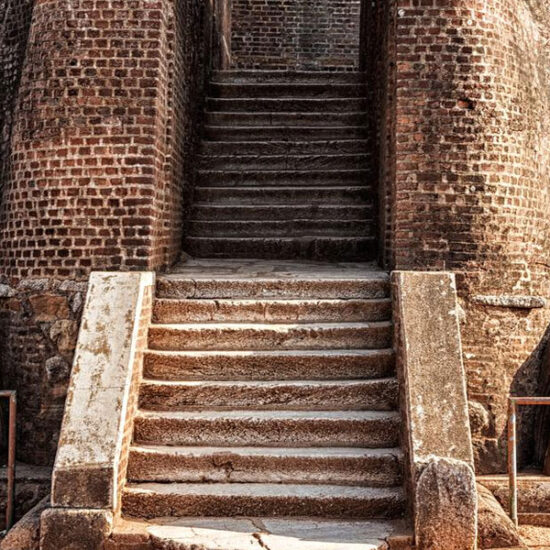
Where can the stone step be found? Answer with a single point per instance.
(255, 173)
(284, 89)
(219, 211)
(296, 105)
(257, 336)
(343, 466)
(246, 499)
(320, 395)
(269, 76)
(269, 365)
(320, 147)
(268, 428)
(279, 194)
(257, 533)
(265, 133)
(335, 249)
(271, 311)
(339, 285)
(286, 119)
(288, 229)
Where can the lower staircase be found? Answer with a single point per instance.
(269, 393)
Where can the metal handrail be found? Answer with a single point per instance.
(10, 508)
(513, 403)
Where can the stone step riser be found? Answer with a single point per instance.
(227, 133)
(295, 119)
(287, 90)
(311, 163)
(533, 496)
(286, 180)
(326, 78)
(268, 228)
(327, 249)
(149, 504)
(270, 311)
(269, 366)
(231, 465)
(378, 395)
(282, 212)
(182, 337)
(346, 146)
(274, 105)
(266, 287)
(251, 431)
(284, 195)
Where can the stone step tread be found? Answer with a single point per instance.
(302, 104)
(259, 533)
(261, 428)
(264, 489)
(290, 155)
(281, 147)
(279, 452)
(265, 383)
(239, 127)
(287, 75)
(270, 415)
(277, 327)
(269, 365)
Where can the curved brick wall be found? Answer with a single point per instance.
(471, 136)
(103, 135)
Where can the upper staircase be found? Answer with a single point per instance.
(285, 170)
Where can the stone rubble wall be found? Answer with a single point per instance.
(304, 35)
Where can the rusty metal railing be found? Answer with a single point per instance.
(10, 508)
(513, 403)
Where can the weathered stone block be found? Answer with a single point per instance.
(446, 506)
(65, 529)
(495, 528)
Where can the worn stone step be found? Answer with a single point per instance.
(279, 164)
(258, 533)
(357, 284)
(335, 249)
(263, 133)
(246, 499)
(257, 174)
(219, 211)
(358, 395)
(287, 89)
(279, 194)
(318, 147)
(258, 76)
(269, 365)
(271, 311)
(286, 119)
(288, 229)
(343, 466)
(264, 104)
(268, 428)
(257, 336)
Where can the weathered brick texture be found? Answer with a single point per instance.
(466, 169)
(287, 34)
(104, 131)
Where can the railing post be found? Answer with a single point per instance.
(512, 460)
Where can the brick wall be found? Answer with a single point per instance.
(104, 130)
(469, 149)
(290, 34)
(15, 19)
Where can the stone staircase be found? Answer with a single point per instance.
(285, 170)
(269, 390)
